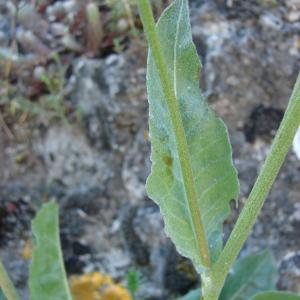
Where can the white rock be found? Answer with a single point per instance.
(122, 25)
(71, 6)
(293, 16)
(58, 29)
(39, 72)
(269, 21)
(296, 143)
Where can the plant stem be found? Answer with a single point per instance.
(176, 118)
(6, 285)
(242, 229)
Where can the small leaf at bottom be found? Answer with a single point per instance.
(47, 279)
(2, 297)
(250, 275)
(276, 296)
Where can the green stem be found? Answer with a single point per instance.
(6, 285)
(181, 143)
(216, 277)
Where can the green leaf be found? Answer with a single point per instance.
(2, 297)
(192, 295)
(209, 150)
(47, 278)
(276, 296)
(250, 275)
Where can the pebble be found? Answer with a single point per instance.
(122, 25)
(71, 6)
(293, 16)
(58, 29)
(70, 43)
(289, 271)
(270, 21)
(56, 11)
(296, 144)
(38, 72)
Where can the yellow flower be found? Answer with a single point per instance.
(95, 286)
(115, 292)
(86, 287)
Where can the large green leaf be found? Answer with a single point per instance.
(250, 275)
(209, 150)
(276, 296)
(47, 274)
(2, 297)
(192, 295)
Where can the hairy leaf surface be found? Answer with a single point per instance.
(47, 279)
(250, 275)
(209, 149)
(276, 296)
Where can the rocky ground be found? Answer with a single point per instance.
(96, 167)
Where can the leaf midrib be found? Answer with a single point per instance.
(187, 151)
